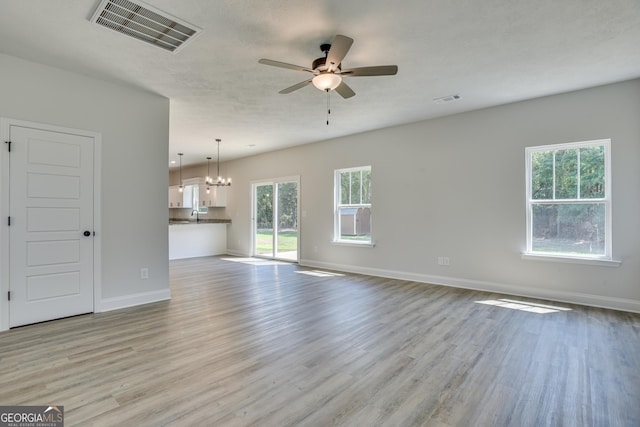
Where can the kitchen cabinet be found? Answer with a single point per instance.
(182, 199)
(175, 197)
(217, 197)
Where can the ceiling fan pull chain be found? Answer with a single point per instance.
(328, 106)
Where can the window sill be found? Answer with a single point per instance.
(570, 260)
(354, 243)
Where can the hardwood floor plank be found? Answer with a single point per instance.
(261, 344)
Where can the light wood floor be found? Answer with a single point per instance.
(265, 345)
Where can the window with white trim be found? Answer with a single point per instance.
(352, 222)
(569, 200)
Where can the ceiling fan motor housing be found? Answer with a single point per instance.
(319, 64)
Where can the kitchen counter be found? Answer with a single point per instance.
(180, 221)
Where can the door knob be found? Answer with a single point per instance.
(87, 233)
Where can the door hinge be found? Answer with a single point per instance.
(9, 295)
(9, 221)
(8, 145)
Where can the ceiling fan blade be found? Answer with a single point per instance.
(295, 87)
(339, 49)
(380, 70)
(344, 90)
(284, 65)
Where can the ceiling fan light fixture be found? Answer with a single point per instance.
(328, 72)
(327, 81)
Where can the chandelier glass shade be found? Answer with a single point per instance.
(327, 81)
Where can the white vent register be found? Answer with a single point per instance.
(145, 23)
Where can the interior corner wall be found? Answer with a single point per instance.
(134, 126)
(455, 187)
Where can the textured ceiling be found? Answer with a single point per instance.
(490, 52)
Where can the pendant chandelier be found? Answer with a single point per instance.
(220, 182)
(181, 188)
(208, 179)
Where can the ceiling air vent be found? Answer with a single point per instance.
(144, 22)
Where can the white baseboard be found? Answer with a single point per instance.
(560, 296)
(125, 301)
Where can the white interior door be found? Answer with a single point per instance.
(51, 225)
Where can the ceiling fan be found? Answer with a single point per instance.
(328, 72)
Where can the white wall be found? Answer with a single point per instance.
(135, 136)
(455, 187)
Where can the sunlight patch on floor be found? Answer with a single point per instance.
(318, 273)
(524, 306)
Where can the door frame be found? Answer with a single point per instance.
(5, 131)
(273, 181)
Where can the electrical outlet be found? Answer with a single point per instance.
(144, 273)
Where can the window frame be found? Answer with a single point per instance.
(606, 200)
(337, 205)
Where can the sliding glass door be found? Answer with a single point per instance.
(275, 218)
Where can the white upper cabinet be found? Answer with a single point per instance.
(216, 198)
(175, 197)
(182, 199)
(195, 195)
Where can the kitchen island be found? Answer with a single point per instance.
(190, 239)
